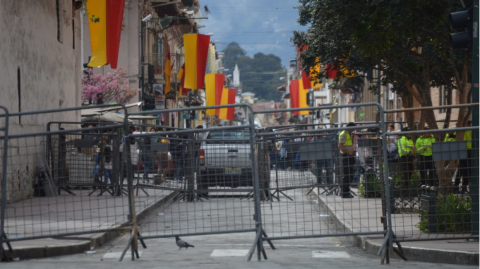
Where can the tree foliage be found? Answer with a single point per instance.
(406, 39)
(260, 74)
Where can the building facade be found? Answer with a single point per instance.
(41, 70)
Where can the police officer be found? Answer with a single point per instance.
(347, 152)
(406, 153)
(451, 137)
(424, 159)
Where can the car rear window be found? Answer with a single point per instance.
(228, 137)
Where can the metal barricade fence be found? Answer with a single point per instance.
(79, 160)
(449, 208)
(4, 124)
(84, 156)
(432, 183)
(41, 164)
(199, 180)
(325, 181)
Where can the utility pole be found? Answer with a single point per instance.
(475, 133)
(142, 72)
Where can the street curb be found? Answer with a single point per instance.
(93, 242)
(43, 252)
(412, 253)
(100, 239)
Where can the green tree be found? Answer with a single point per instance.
(231, 54)
(260, 74)
(407, 40)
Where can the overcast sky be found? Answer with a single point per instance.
(257, 25)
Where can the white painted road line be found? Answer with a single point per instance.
(116, 255)
(229, 253)
(330, 254)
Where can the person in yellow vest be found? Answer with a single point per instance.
(450, 137)
(465, 165)
(424, 158)
(406, 154)
(347, 152)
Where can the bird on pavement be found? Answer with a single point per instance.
(182, 244)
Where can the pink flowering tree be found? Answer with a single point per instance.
(113, 88)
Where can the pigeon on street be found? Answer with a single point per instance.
(182, 244)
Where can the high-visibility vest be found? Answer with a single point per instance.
(467, 136)
(425, 141)
(348, 139)
(448, 138)
(405, 146)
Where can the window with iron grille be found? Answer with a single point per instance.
(157, 52)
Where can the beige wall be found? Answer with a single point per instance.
(50, 73)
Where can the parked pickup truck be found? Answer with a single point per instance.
(225, 160)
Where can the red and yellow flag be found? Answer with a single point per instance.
(213, 92)
(298, 96)
(181, 76)
(114, 29)
(294, 101)
(228, 98)
(196, 52)
(349, 73)
(105, 24)
(302, 93)
(308, 81)
(330, 71)
(168, 73)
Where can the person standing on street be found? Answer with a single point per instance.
(406, 152)
(425, 161)
(392, 145)
(347, 152)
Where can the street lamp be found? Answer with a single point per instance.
(142, 60)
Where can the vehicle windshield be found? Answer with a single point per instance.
(228, 137)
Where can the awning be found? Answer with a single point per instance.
(135, 117)
(108, 117)
(282, 89)
(97, 111)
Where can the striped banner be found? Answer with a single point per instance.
(213, 92)
(196, 52)
(105, 24)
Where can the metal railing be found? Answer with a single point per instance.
(31, 206)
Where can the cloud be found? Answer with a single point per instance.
(258, 26)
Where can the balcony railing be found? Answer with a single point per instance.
(158, 61)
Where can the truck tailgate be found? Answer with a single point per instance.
(227, 156)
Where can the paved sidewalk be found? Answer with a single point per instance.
(436, 250)
(44, 216)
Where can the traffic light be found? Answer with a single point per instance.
(462, 21)
(149, 102)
